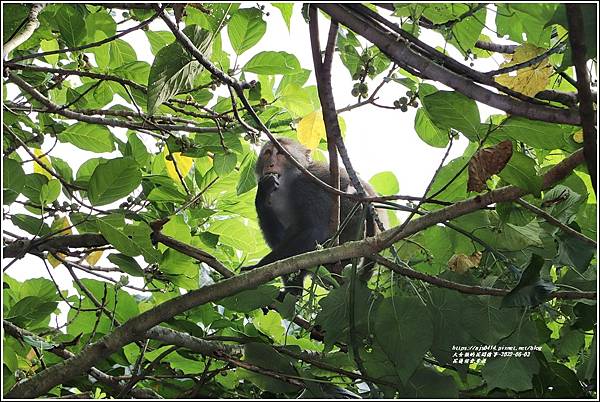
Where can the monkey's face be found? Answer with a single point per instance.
(271, 161)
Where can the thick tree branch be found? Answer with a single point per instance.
(468, 289)
(54, 108)
(323, 75)
(27, 30)
(586, 103)
(135, 328)
(109, 380)
(399, 52)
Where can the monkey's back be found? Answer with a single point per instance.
(316, 202)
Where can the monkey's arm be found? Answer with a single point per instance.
(270, 225)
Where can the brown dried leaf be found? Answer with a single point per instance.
(487, 162)
(461, 263)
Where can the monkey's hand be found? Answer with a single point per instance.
(269, 183)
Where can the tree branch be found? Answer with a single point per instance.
(555, 222)
(25, 33)
(399, 52)
(54, 108)
(468, 289)
(135, 328)
(586, 106)
(323, 75)
(60, 351)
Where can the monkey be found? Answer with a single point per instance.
(294, 211)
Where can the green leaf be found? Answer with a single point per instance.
(159, 39)
(63, 169)
(136, 149)
(89, 137)
(521, 172)
(535, 133)
(127, 264)
(50, 191)
(249, 300)
(224, 163)
(39, 343)
(30, 310)
(449, 109)
(268, 358)
(487, 322)
(428, 132)
(270, 62)
(33, 186)
(113, 180)
(509, 373)
(574, 252)
(180, 269)
(71, 24)
(286, 10)
(385, 183)
(140, 234)
(30, 224)
(117, 237)
(466, 31)
(13, 180)
(429, 383)
(406, 321)
(531, 289)
(174, 69)
(245, 29)
(166, 194)
(247, 178)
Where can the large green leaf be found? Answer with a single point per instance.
(117, 237)
(245, 28)
(453, 110)
(247, 178)
(270, 62)
(537, 134)
(520, 171)
(113, 180)
(286, 10)
(13, 180)
(90, 137)
(406, 321)
(249, 300)
(174, 69)
(71, 24)
(385, 183)
(428, 132)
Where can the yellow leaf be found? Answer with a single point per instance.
(58, 224)
(37, 168)
(578, 137)
(184, 164)
(61, 223)
(311, 129)
(529, 80)
(461, 263)
(93, 257)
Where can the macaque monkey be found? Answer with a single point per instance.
(294, 211)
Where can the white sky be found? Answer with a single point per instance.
(377, 139)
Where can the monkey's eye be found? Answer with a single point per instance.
(267, 153)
